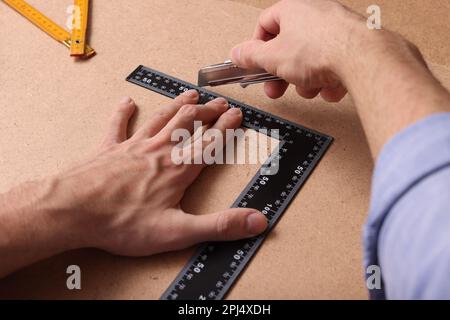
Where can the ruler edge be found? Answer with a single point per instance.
(130, 79)
(259, 240)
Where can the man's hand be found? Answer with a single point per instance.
(320, 46)
(299, 41)
(130, 192)
(125, 199)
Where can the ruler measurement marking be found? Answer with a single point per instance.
(223, 262)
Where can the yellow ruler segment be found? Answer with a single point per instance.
(79, 27)
(45, 24)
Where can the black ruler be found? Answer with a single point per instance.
(216, 265)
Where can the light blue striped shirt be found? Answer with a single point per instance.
(408, 230)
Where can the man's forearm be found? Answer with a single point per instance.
(32, 226)
(389, 82)
(407, 230)
(394, 91)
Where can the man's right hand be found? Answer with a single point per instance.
(301, 41)
(320, 46)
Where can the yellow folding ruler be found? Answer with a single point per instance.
(79, 27)
(75, 41)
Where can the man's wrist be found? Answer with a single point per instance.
(353, 40)
(34, 225)
(58, 203)
(382, 71)
(47, 205)
(364, 51)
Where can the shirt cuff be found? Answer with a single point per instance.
(411, 155)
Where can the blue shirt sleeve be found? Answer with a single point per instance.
(408, 230)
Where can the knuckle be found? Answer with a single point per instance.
(188, 111)
(247, 54)
(104, 147)
(124, 108)
(161, 114)
(265, 56)
(152, 146)
(184, 99)
(227, 121)
(223, 224)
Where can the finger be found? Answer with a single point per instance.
(210, 146)
(254, 54)
(157, 121)
(231, 119)
(333, 94)
(275, 89)
(261, 34)
(118, 123)
(208, 126)
(268, 24)
(185, 117)
(308, 93)
(227, 225)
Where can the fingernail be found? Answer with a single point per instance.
(256, 223)
(234, 111)
(126, 100)
(190, 93)
(236, 54)
(220, 100)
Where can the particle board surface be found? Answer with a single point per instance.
(315, 250)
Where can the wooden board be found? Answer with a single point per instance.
(44, 129)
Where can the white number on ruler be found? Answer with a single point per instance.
(74, 19)
(263, 180)
(299, 170)
(199, 267)
(267, 208)
(239, 255)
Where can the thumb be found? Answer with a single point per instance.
(230, 224)
(250, 54)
